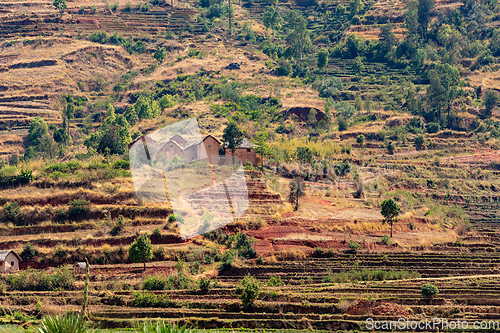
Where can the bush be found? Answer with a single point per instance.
(29, 252)
(248, 291)
(99, 37)
(146, 299)
(432, 127)
(342, 123)
(275, 281)
(12, 211)
(117, 229)
(9, 178)
(429, 291)
(353, 246)
(35, 280)
(79, 208)
(243, 245)
(121, 164)
(391, 148)
(419, 142)
(154, 283)
(204, 285)
(227, 261)
(385, 240)
(360, 139)
(156, 233)
(328, 87)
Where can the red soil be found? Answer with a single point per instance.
(377, 308)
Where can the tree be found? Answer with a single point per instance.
(386, 42)
(353, 46)
(490, 102)
(441, 92)
(419, 142)
(60, 5)
(390, 211)
(429, 291)
(38, 129)
(297, 190)
(424, 10)
(61, 135)
(495, 43)
(141, 249)
(113, 135)
(272, 18)
(322, 58)
(160, 54)
(262, 148)
(390, 147)
(70, 111)
(357, 66)
(360, 139)
(232, 137)
(249, 290)
(298, 39)
(355, 6)
(230, 17)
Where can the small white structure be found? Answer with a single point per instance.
(80, 267)
(9, 261)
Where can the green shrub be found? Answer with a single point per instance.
(429, 291)
(243, 244)
(385, 240)
(360, 139)
(117, 229)
(36, 280)
(275, 281)
(99, 37)
(156, 233)
(419, 142)
(228, 259)
(146, 299)
(154, 283)
(79, 208)
(121, 164)
(29, 252)
(204, 285)
(432, 127)
(12, 211)
(248, 290)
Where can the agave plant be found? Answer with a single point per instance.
(163, 327)
(69, 323)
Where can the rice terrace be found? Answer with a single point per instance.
(249, 166)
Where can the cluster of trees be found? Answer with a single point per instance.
(113, 136)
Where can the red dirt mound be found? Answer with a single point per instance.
(377, 308)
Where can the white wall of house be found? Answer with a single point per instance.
(10, 264)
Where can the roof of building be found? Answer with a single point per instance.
(4, 254)
(245, 143)
(197, 142)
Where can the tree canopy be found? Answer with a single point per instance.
(141, 249)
